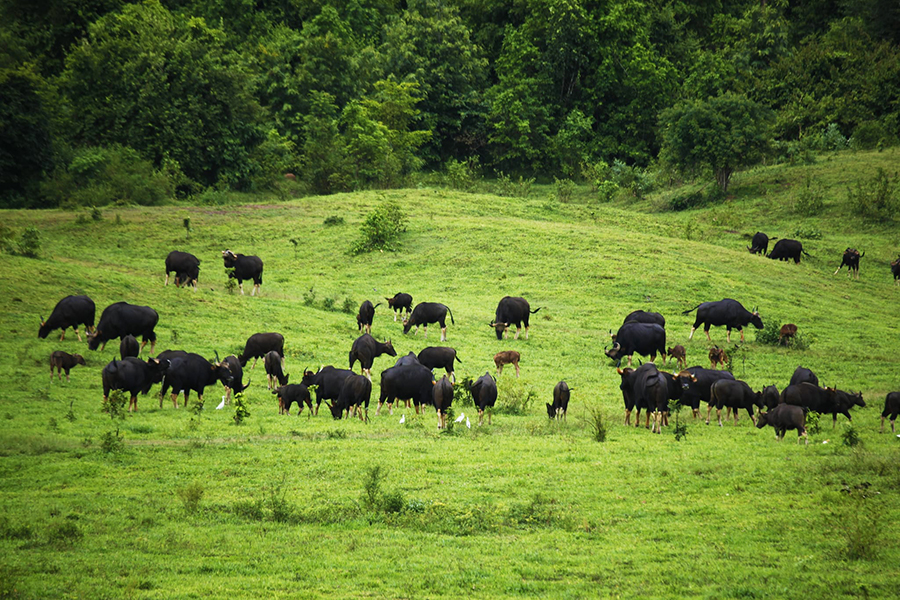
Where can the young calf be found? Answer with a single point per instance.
(288, 394)
(274, 372)
(63, 361)
(507, 357)
(787, 331)
(717, 356)
(561, 394)
(679, 354)
(782, 418)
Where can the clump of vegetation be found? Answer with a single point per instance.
(64, 533)
(190, 496)
(333, 220)
(111, 442)
(375, 498)
(876, 199)
(832, 138)
(564, 189)
(813, 426)
(514, 398)
(596, 422)
(871, 135)
(241, 411)
(850, 436)
(810, 199)
(230, 282)
(540, 511)
(681, 429)
(12, 531)
(381, 230)
(463, 175)
(29, 243)
(349, 306)
(858, 520)
(114, 404)
(188, 229)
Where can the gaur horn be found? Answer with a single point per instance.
(217, 356)
(43, 322)
(619, 370)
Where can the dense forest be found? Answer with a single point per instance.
(107, 101)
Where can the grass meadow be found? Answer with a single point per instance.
(185, 503)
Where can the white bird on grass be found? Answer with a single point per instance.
(403, 419)
(221, 404)
(468, 424)
(460, 418)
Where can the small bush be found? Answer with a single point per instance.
(6, 238)
(858, 521)
(334, 220)
(381, 230)
(564, 189)
(241, 411)
(114, 404)
(328, 304)
(309, 298)
(850, 436)
(111, 442)
(596, 423)
(606, 190)
(514, 398)
(813, 426)
(230, 282)
(806, 234)
(349, 306)
(190, 496)
(11, 531)
(876, 199)
(871, 135)
(504, 185)
(832, 138)
(29, 243)
(770, 332)
(249, 509)
(688, 200)
(463, 176)
(810, 200)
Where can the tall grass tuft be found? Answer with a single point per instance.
(596, 422)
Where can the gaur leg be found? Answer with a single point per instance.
(443, 334)
(517, 368)
(67, 375)
(490, 414)
(76, 333)
(627, 417)
(706, 331)
(480, 416)
(517, 333)
(175, 399)
(526, 332)
(241, 285)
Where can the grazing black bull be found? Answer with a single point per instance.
(237, 377)
(439, 357)
(366, 315)
(71, 311)
(121, 319)
(328, 382)
(134, 376)
(355, 394)
(759, 244)
(645, 339)
(63, 361)
(645, 387)
(895, 270)
(260, 344)
(851, 259)
(891, 408)
(512, 310)
(804, 375)
(442, 399)
(186, 267)
(560, 406)
(192, 372)
(695, 385)
(822, 400)
(644, 316)
(245, 268)
(782, 418)
(405, 382)
(429, 312)
(365, 349)
(787, 250)
(727, 312)
(735, 395)
(399, 302)
(129, 346)
(294, 392)
(484, 395)
(274, 373)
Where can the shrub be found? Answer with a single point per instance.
(770, 332)
(564, 189)
(333, 220)
(876, 199)
(850, 436)
(832, 138)
(596, 423)
(240, 409)
(858, 520)
(514, 398)
(111, 442)
(29, 243)
(463, 176)
(375, 498)
(606, 189)
(810, 199)
(381, 230)
(813, 427)
(114, 404)
(349, 306)
(871, 135)
(190, 496)
(64, 532)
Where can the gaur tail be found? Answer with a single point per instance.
(451, 316)
(691, 310)
(537, 309)
(458, 358)
(806, 253)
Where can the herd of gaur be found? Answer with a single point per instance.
(411, 379)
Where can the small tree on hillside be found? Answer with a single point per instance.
(722, 134)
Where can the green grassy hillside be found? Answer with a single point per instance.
(192, 505)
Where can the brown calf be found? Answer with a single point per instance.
(788, 330)
(717, 356)
(63, 361)
(679, 354)
(507, 357)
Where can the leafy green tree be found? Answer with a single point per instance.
(324, 155)
(721, 134)
(163, 85)
(26, 145)
(430, 44)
